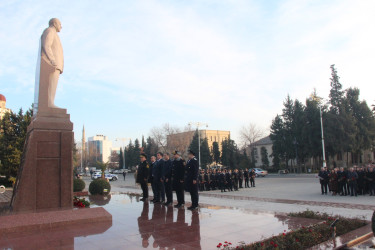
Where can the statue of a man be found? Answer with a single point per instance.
(50, 66)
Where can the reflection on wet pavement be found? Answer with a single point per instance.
(138, 225)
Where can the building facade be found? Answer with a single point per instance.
(99, 149)
(181, 141)
(3, 108)
(256, 149)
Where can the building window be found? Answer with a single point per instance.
(215, 138)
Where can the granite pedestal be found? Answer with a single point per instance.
(45, 178)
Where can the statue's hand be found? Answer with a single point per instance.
(53, 64)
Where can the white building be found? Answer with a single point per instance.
(3, 109)
(257, 146)
(99, 148)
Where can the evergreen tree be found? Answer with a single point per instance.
(206, 157)
(277, 136)
(336, 94)
(244, 160)
(13, 129)
(253, 161)
(143, 143)
(151, 147)
(130, 159)
(121, 159)
(264, 156)
(216, 152)
(229, 155)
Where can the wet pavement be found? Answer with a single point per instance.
(138, 225)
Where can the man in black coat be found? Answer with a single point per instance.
(222, 180)
(323, 178)
(157, 178)
(178, 177)
(246, 175)
(142, 175)
(167, 178)
(150, 177)
(192, 173)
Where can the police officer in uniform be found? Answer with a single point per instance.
(142, 175)
(167, 178)
(192, 169)
(178, 176)
(246, 175)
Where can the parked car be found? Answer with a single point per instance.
(111, 177)
(260, 172)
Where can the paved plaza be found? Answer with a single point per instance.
(248, 215)
(274, 193)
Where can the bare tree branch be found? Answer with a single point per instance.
(250, 133)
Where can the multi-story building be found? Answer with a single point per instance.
(99, 148)
(181, 141)
(256, 149)
(3, 108)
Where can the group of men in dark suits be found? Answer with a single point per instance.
(353, 181)
(166, 175)
(226, 179)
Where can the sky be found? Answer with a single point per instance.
(134, 65)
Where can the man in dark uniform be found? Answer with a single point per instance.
(352, 179)
(150, 176)
(235, 179)
(157, 177)
(246, 175)
(221, 180)
(178, 176)
(228, 180)
(207, 181)
(167, 178)
(142, 176)
(213, 180)
(240, 178)
(252, 176)
(323, 177)
(341, 175)
(192, 168)
(201, 181)
(361, 181)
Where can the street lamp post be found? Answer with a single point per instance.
(199, 124)
(321, 127)
(123, 147)
(316, 98)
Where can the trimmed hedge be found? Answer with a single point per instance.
(97, 187)
(78, 185)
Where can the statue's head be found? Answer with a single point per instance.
(54, 22)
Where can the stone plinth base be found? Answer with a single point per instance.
(11, 225)
(45, 177)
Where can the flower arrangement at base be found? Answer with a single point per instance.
(307, 237)
(80, 203)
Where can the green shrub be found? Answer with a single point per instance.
(97, 187)
(78, 185)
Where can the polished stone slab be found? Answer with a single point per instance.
(138, 225)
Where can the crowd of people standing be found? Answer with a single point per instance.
(354, 181)
(166, 175)
(226, 179)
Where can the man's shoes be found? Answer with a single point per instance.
(155, 202)
(192, 208)
(143, 199)
(167, 203)
(178, 205)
